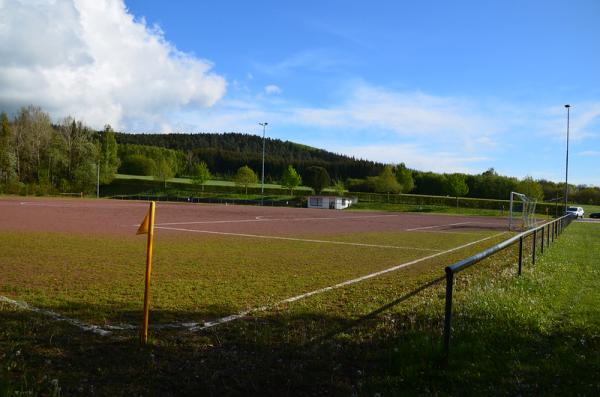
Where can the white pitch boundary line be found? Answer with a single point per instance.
(295, 239)
(261, 219)
(57, 317)
(434, 226)
(244, 313)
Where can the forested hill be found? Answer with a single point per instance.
(225, 153)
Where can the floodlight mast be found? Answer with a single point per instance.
(568, 107)
(262, 183)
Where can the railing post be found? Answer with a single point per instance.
(553, 230)
(534, 244)
(520, 254)
(562, 225)
(448, 315)
(548, 236)
(543, 228)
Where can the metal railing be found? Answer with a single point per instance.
(211, 198)
(549, 231)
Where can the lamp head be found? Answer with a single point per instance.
(567, 106)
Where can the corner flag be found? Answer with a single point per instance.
(147, 227)
(143, 229)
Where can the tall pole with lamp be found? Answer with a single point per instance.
(262, 183)
(568, 107)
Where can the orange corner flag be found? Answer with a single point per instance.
(147, 227)
(143, 229)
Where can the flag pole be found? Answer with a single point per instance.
(144, 333)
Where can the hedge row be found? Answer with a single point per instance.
(128, 186)
(136, 187)
(447, 201)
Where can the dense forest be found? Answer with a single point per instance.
(225, 153)
(39, 157)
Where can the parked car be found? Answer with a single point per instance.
(577, 211)
(595, 215)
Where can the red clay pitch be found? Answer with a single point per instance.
(113, 217)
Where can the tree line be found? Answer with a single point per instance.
(38, 157)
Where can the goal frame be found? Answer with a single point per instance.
(527, 216)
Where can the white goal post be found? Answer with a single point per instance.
(522, 212)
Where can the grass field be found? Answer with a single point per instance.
(380, 335)
(98, 279)
(212, 182)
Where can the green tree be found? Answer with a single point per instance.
(405, 178)
(73, 156)
(530, 188)
(109, 159)
(163, 171)
(317, 178)
(7, 156)
(386, 181)
(32, 136)
(291, 179)
(455, 185)
(201, 174)
(84, 177)
(339, 188)
(137, 164)
(245, 176)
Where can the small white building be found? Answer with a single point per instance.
(329, 202)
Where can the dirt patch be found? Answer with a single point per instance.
(113, 217)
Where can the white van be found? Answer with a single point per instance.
(577, 211)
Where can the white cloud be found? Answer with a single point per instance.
(408, 114)
(272, 89)
(416, 156)
(94, 61)
(589, 153)
(584, 121)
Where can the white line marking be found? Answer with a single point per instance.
(263, 219)
(106, 330)
(55, 316)
(296, 239)
(244, 313)
(434, 226)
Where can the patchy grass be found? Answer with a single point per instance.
(531, 335)
(195, 277)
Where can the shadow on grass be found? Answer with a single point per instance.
(302, 353)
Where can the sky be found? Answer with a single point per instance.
(460, 86)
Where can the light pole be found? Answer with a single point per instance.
(262, 183)
(98, 182)
(567, 162)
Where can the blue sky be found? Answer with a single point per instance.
(444, 86)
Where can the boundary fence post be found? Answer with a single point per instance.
(543, 228)
(534, 244)
(448, 314)
(520, 254)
